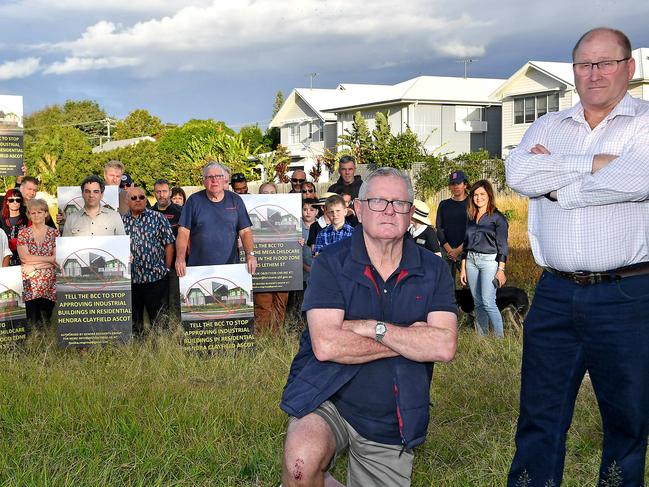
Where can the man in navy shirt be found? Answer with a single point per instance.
(213, 219)
(380, 311)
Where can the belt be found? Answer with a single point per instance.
(585, 278)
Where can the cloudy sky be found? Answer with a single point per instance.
(226, 59)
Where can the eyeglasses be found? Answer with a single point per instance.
(308, 190)
(215, 177)
(138, 197)
(380, 204)
(14, 200)
(605, 67)
(296, 180)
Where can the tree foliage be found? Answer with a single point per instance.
(255, 139)
(138, 123)
(476, 165)
(380, 147)
(279, 101)
(58, 155)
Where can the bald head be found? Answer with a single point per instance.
(619, 36)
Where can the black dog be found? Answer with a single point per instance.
(506, 297)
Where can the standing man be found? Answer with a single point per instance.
(29, 188)
(452, 219)
(297, 178)
(585, 171)
(152, 251)
(380, 311)
(113, 172)
(239, 183)
(93, 219)
(213, 219)
(171, 212)
(348, 180)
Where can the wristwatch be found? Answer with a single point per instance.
(251, 253)
(379, 331)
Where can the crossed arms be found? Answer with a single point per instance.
(352, 341)
(580, 180)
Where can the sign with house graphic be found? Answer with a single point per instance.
(11, 135)
(70, 200)
(277, 230)
(217, 310)
(13, 321)
(93, 290)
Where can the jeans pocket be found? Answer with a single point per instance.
(634, 287)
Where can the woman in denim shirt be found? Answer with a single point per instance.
(484, 256)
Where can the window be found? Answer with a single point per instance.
(294, 135)
(529, 108)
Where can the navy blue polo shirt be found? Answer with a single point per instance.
(343, 277)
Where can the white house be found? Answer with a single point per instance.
(540, 87)
(449, 114)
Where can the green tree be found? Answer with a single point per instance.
(61, 156)
(143, 162)
(138, 123)
(253, 136)
(358, 140)
(279, 101)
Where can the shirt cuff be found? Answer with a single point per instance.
(568, 196)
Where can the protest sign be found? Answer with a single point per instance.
(93, 290)
(11, 135)
(216, 308)
(13, 321)
(276, 229)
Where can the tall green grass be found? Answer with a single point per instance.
(149, 414)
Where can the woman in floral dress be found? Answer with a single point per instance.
(36, 247)
(14, 219)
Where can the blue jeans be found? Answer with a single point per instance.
(480, 272)
(602, 328)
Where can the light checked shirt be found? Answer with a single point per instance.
(601, 220)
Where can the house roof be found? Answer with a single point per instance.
(119, 144)
(325, 102)
(425, 89)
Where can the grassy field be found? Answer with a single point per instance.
(149, 414)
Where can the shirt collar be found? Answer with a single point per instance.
(625, 108)
(410, 259)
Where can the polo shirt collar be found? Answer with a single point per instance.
(359, 261)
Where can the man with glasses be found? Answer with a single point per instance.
(585, 171)
(348, 180)
(297, 179)
(239, 183)
(93, 218)
(213, 219)
(152, 251)
(380, 311)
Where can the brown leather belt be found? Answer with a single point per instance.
(585, 278)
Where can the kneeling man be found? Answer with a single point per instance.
(380, 311)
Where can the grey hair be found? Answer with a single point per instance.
(37, 204)
(385, 172)
(216, 165)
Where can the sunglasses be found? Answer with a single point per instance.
(14, 200)
(238, 177)
(296, 180)
(139, 197)
(308, 190)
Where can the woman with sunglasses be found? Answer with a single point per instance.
(36, 247)
(14, 219)
(308, 191)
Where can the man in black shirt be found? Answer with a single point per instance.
(451, 220)
(171, 211)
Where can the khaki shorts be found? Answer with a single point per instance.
(370, 463)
